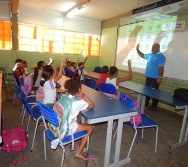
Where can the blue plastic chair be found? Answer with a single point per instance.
(146, 121)
(50, 116)
(66, 70)
(72, 74)
(98, 69)
(30, 99)
(90, 83)
(31, 108)
(108, 88)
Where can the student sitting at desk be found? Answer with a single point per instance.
(79, 72)
(74, 65)
(113, 72)
(48, 84)
(18, 70)
(103, 76)
(38, 71)
(73, 87)
(67, 68)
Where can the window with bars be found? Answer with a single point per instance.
(42, 39)
(5, 35)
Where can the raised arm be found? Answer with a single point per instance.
(15, 67)
(59, 74)
(139, 52)
(51, 61)
(75, 65)
(127, 77)
(86, 98)
(85, 60)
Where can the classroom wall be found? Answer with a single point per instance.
(7, 59)
(108, 52)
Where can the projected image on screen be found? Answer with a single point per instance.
(161, 31)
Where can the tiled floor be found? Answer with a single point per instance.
(142, 154)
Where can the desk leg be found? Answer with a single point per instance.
(141, 101)
(139, 98)
(127, 160)
(142, 107)
(83, 120)
(184, 132)
(108, 143)
(118, 142)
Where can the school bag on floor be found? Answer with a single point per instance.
(14, 140)
(63, 108)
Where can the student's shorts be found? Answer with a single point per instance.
(74, 127)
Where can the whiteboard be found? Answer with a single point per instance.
(173, 40)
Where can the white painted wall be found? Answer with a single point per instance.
(4, 11)
(55, 19)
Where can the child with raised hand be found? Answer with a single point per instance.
(49, 84)
(74, 65)
(113, 72)
(67, 67)
(38, 71)
(79, 72)
(73, 87)
(18, 70)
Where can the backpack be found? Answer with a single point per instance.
(181, 94)
(26, 84)
(14, 140)
(63, 108)
(133, 103)
(40, 94)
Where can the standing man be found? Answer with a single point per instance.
(154, 71)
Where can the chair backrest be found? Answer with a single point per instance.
(17, 90)
(48, 114)
(98, 69)
(26, 105)
(66, 70)
(17, 81)
(133, 103)
(108, 88)
(72, 74)
(127, 100)
(90, 83)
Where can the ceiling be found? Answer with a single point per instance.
(94, 9)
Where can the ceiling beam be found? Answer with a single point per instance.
(14, 6)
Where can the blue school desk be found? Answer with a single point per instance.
(107, 110)
(165, 97)
(162, 96)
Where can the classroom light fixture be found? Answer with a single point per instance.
(74, 10)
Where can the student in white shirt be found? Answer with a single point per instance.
(49, 84)
(79, 72)
(73, 87)
(113, 72)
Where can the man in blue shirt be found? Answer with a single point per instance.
(154, 70)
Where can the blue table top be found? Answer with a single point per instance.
(161, 95)
(104, 106)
